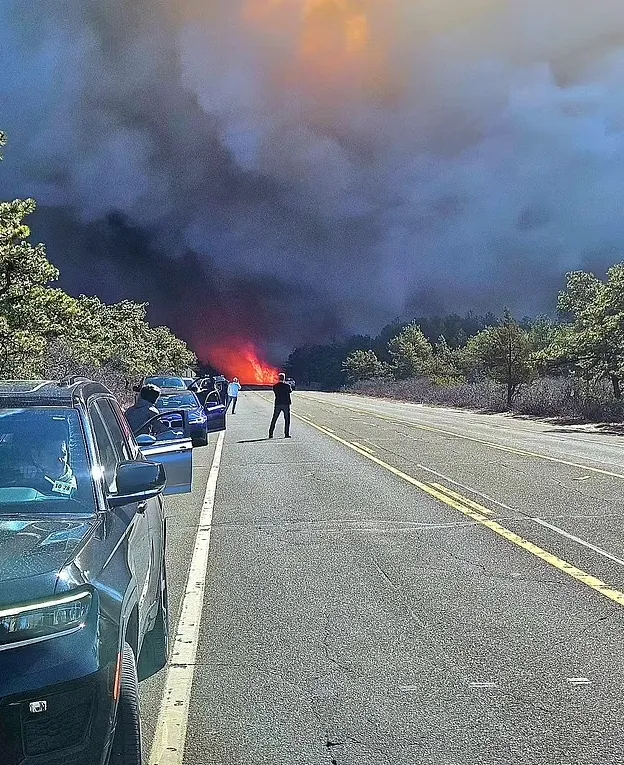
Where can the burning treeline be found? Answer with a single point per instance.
(240, 358)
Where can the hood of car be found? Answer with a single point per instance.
(30, 547)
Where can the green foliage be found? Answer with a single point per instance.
(411, 353)
(45, 332)
(115, 343)
(321, 366)
(31, 312)
(447, 365)
(506, 355)
(591, 342)
(364, 365)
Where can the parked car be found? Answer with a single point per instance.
(221, 384)
(165, 381)
(202, 419)
(83, 583)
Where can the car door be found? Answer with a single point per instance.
(111, 452)
(215, 416)
(122, 438)
(173, 449)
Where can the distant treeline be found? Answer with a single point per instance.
(572, 365)
(46, 333)
(322, 366)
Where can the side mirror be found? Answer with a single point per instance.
(137, 482)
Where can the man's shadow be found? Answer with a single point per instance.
(254, 440)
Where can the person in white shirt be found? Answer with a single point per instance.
(232, 393)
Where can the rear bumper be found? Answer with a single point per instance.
(75, 729)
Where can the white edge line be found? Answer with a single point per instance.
(578, 540)
(170, 738)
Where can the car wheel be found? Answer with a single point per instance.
(155, 650)
(126, 748)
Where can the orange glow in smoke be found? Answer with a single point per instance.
(241, 359)
(333, 28)
(333, 35)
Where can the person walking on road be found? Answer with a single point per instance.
(282, 391)
(232, 394)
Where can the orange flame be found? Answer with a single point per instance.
(242, 360)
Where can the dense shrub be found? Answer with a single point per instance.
(549, 397)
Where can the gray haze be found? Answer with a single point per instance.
(243, 167)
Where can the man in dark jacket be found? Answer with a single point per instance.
(282, 405)
(140, 413)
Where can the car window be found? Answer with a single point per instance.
(166, 382)
(109, 456)
(177, 401)
(118, 436)
(125, 428)
(44, 466)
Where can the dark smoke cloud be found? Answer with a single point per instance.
(184, 152)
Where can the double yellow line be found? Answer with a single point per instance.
(478, 513)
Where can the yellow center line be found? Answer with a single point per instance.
(552, 560)
(362, 446)
(464, 500)
(483, 442)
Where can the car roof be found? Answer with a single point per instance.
(71, 392)
(175, 391)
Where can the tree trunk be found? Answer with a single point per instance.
(617, 391)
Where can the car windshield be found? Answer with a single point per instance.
(43, 462)
(177, 401)
(166, 382)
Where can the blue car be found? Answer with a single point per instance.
(165, 381)
(83, 585)
(201, 420)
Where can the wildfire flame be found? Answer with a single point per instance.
(241, 359)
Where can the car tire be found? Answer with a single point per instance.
(155, 650)
(126, 746)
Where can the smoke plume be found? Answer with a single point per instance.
(290, 170)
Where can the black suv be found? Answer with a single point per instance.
(83, 588)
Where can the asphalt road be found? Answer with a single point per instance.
(404, 585)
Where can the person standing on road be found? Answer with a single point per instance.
(232, 394)
(283, 401)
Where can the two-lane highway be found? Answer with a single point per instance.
(395, 584)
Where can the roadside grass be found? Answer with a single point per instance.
(552, 398)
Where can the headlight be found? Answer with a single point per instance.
(48, 618)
